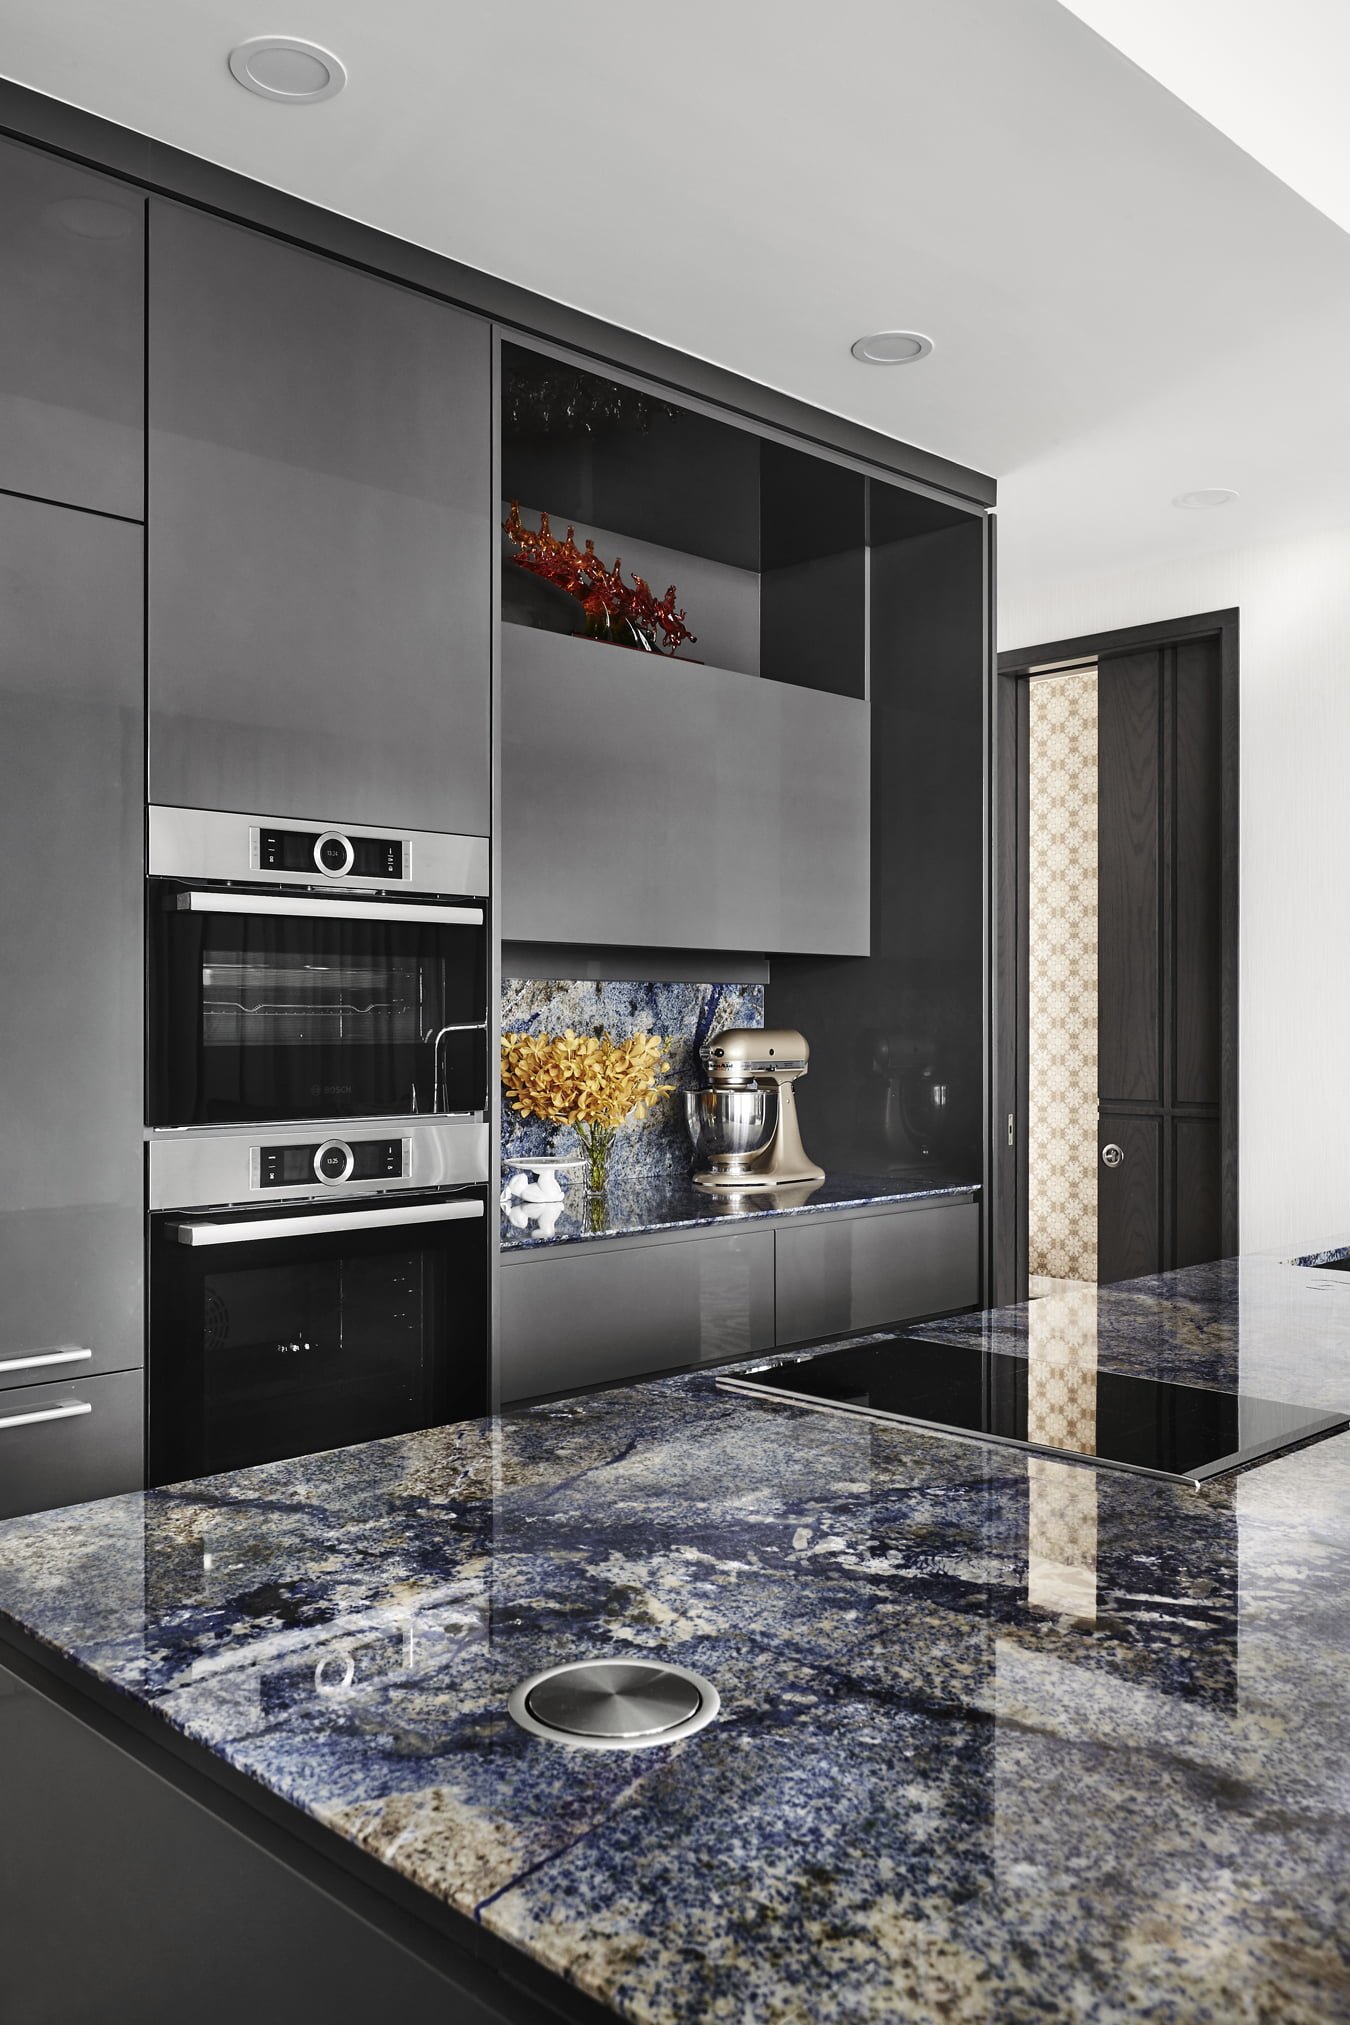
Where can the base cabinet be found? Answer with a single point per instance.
(861, 1272)
(600, 1313)
(597, 1314)
(68, 1442)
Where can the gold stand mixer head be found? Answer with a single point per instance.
(726, 1121)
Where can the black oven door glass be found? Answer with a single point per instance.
(288, 1345)
(258, 1018)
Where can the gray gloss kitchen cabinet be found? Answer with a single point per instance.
(71, 927)
(320, 533)
(65, 1443)
(603, 1311)
(72, 378)
(595, 1314)
(859, 1272)
(656, 803)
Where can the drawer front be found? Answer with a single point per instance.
(597, 1315)
(66, 1442)
(838, 1273)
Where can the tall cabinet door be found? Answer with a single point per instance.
(72, 274)
(71, 333)
(71, 914)
(320, 536)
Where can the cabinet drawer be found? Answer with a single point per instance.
(69, 1441)
(839, 1273)
(600, 1315)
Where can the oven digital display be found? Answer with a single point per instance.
(326, 851)
(292, 1166)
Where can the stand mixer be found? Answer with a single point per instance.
(727, 1120)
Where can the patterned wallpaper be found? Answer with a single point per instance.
(1062, 1070)
(684, 1014)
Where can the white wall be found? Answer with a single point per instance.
(1294, 1079)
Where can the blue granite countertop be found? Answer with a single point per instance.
(638, 1205)
(1002, 1740)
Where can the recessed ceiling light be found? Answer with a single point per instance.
(892, 348)
(282, 67)
(1213, 495)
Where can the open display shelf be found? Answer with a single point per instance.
(804, 779)
(765, 544)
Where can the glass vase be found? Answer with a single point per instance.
(597, 1143)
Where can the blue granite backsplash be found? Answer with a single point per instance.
(685, 1014)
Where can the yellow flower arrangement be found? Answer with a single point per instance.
(589, 1081)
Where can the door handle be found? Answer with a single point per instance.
(249, 1232)
(47, 1413)
(197, 902)
(1113, 1155)
(37, 1357)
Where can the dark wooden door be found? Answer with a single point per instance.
(1160, 959)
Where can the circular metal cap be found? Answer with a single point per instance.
(614, 1705)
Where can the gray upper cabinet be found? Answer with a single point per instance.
(664, 803)
(320, 536)
(71, 914)
(72, 341)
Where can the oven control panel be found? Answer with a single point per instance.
(331, 1161)
(332, 852)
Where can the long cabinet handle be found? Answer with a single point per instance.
(37, 1357)
(47, 1413)
(199, 902)
(316, 1226)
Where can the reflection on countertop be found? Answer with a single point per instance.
(1000, 1738)
(640, 1205)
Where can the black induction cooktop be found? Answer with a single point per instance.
(1186, 1433)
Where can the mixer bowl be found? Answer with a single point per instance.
(729, 1123)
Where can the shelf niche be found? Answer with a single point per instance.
(766, 544)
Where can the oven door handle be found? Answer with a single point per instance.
(198, 901)
(249, 1232)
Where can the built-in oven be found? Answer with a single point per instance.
(320, 1290)
(303, 971)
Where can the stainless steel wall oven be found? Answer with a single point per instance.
(334, 1292)
(318, 1153)
(299, 971)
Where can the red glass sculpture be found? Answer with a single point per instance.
(630, 615)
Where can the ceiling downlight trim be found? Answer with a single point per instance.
(249, 66)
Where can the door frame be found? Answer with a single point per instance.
(1009, 885)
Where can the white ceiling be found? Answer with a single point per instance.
(1125, 304)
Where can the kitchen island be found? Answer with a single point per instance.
(1000, 1739)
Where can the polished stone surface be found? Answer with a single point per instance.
(656, 1147)
(1002, 1740)
(641, 1204)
